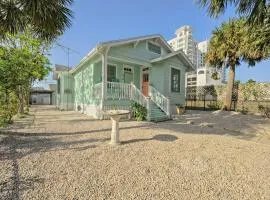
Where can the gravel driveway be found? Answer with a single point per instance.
(200, 155)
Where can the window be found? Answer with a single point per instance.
(201, 72)
(175, 80)
(128, 69)
(154, 48)
(111, 73)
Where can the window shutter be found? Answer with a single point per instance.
(175, 80)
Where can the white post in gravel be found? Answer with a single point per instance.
(115, 130)
(115, 116)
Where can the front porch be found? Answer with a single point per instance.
(121, 95)
(125, 81)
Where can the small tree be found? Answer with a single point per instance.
(23, 59)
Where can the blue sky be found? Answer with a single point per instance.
(95, 21)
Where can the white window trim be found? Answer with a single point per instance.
(170, 81)
(132, 70)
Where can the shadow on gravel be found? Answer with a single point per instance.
(13, 148)
(17, 147)
(160, 137)
(12, 133)
(11, 189)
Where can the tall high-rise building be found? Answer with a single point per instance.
(196, 52)
(185, 41)
(201, 52)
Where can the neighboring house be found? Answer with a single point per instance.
(40, 96)
(115, 73)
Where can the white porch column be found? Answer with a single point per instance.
(104, 58)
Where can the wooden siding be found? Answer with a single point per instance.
(139, 52)
(160, 78)
(120, 71)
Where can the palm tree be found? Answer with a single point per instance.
(255, 10)
(46, 18)
(232, 43)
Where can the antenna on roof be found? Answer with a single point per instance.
(68, 51)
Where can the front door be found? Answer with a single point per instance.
(145, 82)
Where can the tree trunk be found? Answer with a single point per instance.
(230, 85)
(21, 101)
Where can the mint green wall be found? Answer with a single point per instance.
(66, 98)
(156, 77)
(120, 71)
(160, 78)
(117, 102)
(140, 51)
(97, 72)
(84, 81)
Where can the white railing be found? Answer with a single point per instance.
(97, 90)
(160, 100)
(137, 96)
(118, 91)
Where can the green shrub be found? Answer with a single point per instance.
(265, 110)
(216, 106)
(139, 112)
(3, 122)
(8, 108)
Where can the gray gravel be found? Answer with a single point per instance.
(66, 155)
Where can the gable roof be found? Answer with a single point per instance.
(180, 54)
(112, 43)
(135, 39)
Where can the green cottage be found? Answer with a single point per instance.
(115, 73)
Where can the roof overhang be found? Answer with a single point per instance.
(59, 69)
(99, 49)
(181, 55)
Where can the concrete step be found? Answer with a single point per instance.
(156, 114)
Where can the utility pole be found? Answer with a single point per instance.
(68, 51)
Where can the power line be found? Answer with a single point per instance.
(68, 51)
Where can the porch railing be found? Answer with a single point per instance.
(160, 100)
(118, 91)
(137, 96)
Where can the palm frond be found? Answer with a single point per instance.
(47, 18)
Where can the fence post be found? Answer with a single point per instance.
(204, 102)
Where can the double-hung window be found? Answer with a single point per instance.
(111, 73)
(175, 80)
